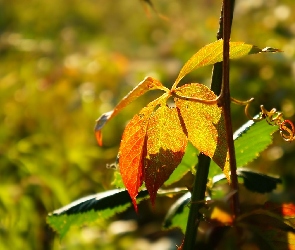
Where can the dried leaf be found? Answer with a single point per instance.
(166, 144)
(147, 84)
(212, 53)
(204, 123)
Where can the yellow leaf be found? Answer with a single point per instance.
(204, 123)
(166, 144)
(212, 53)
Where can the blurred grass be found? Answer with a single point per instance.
(63, 63)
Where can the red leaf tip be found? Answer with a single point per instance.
(98, 136)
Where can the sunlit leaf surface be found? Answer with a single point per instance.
(166, 144)
(212, 53)
(133, 150)
(251, 139)
(204, 122)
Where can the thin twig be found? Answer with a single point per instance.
(225, 103)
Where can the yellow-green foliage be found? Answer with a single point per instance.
(63, 63)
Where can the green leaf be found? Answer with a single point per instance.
(259, 182)
(178, 213)
(91, 208)
(251, 139)
(214, 170)
(117, 181)
(189, 161)
(98, 207)
(254, 181)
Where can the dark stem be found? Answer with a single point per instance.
(216, 82)
(202, 168)
(197, 199)
(225, 103)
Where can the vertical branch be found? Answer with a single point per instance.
(200, 182)
(216, 82)
(197, 197)
(225, 103)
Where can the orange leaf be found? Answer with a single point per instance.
(204, 123)
(147, 84)
(166, 144)
(132, 150)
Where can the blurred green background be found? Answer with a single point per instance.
(64, 63)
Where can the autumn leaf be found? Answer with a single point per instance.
(212, 53)
(166, 144)
(132, 152)
(152, 146)
(133, 149)
(204, 122)
(147, 84)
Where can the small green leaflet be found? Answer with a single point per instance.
(251, 139)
